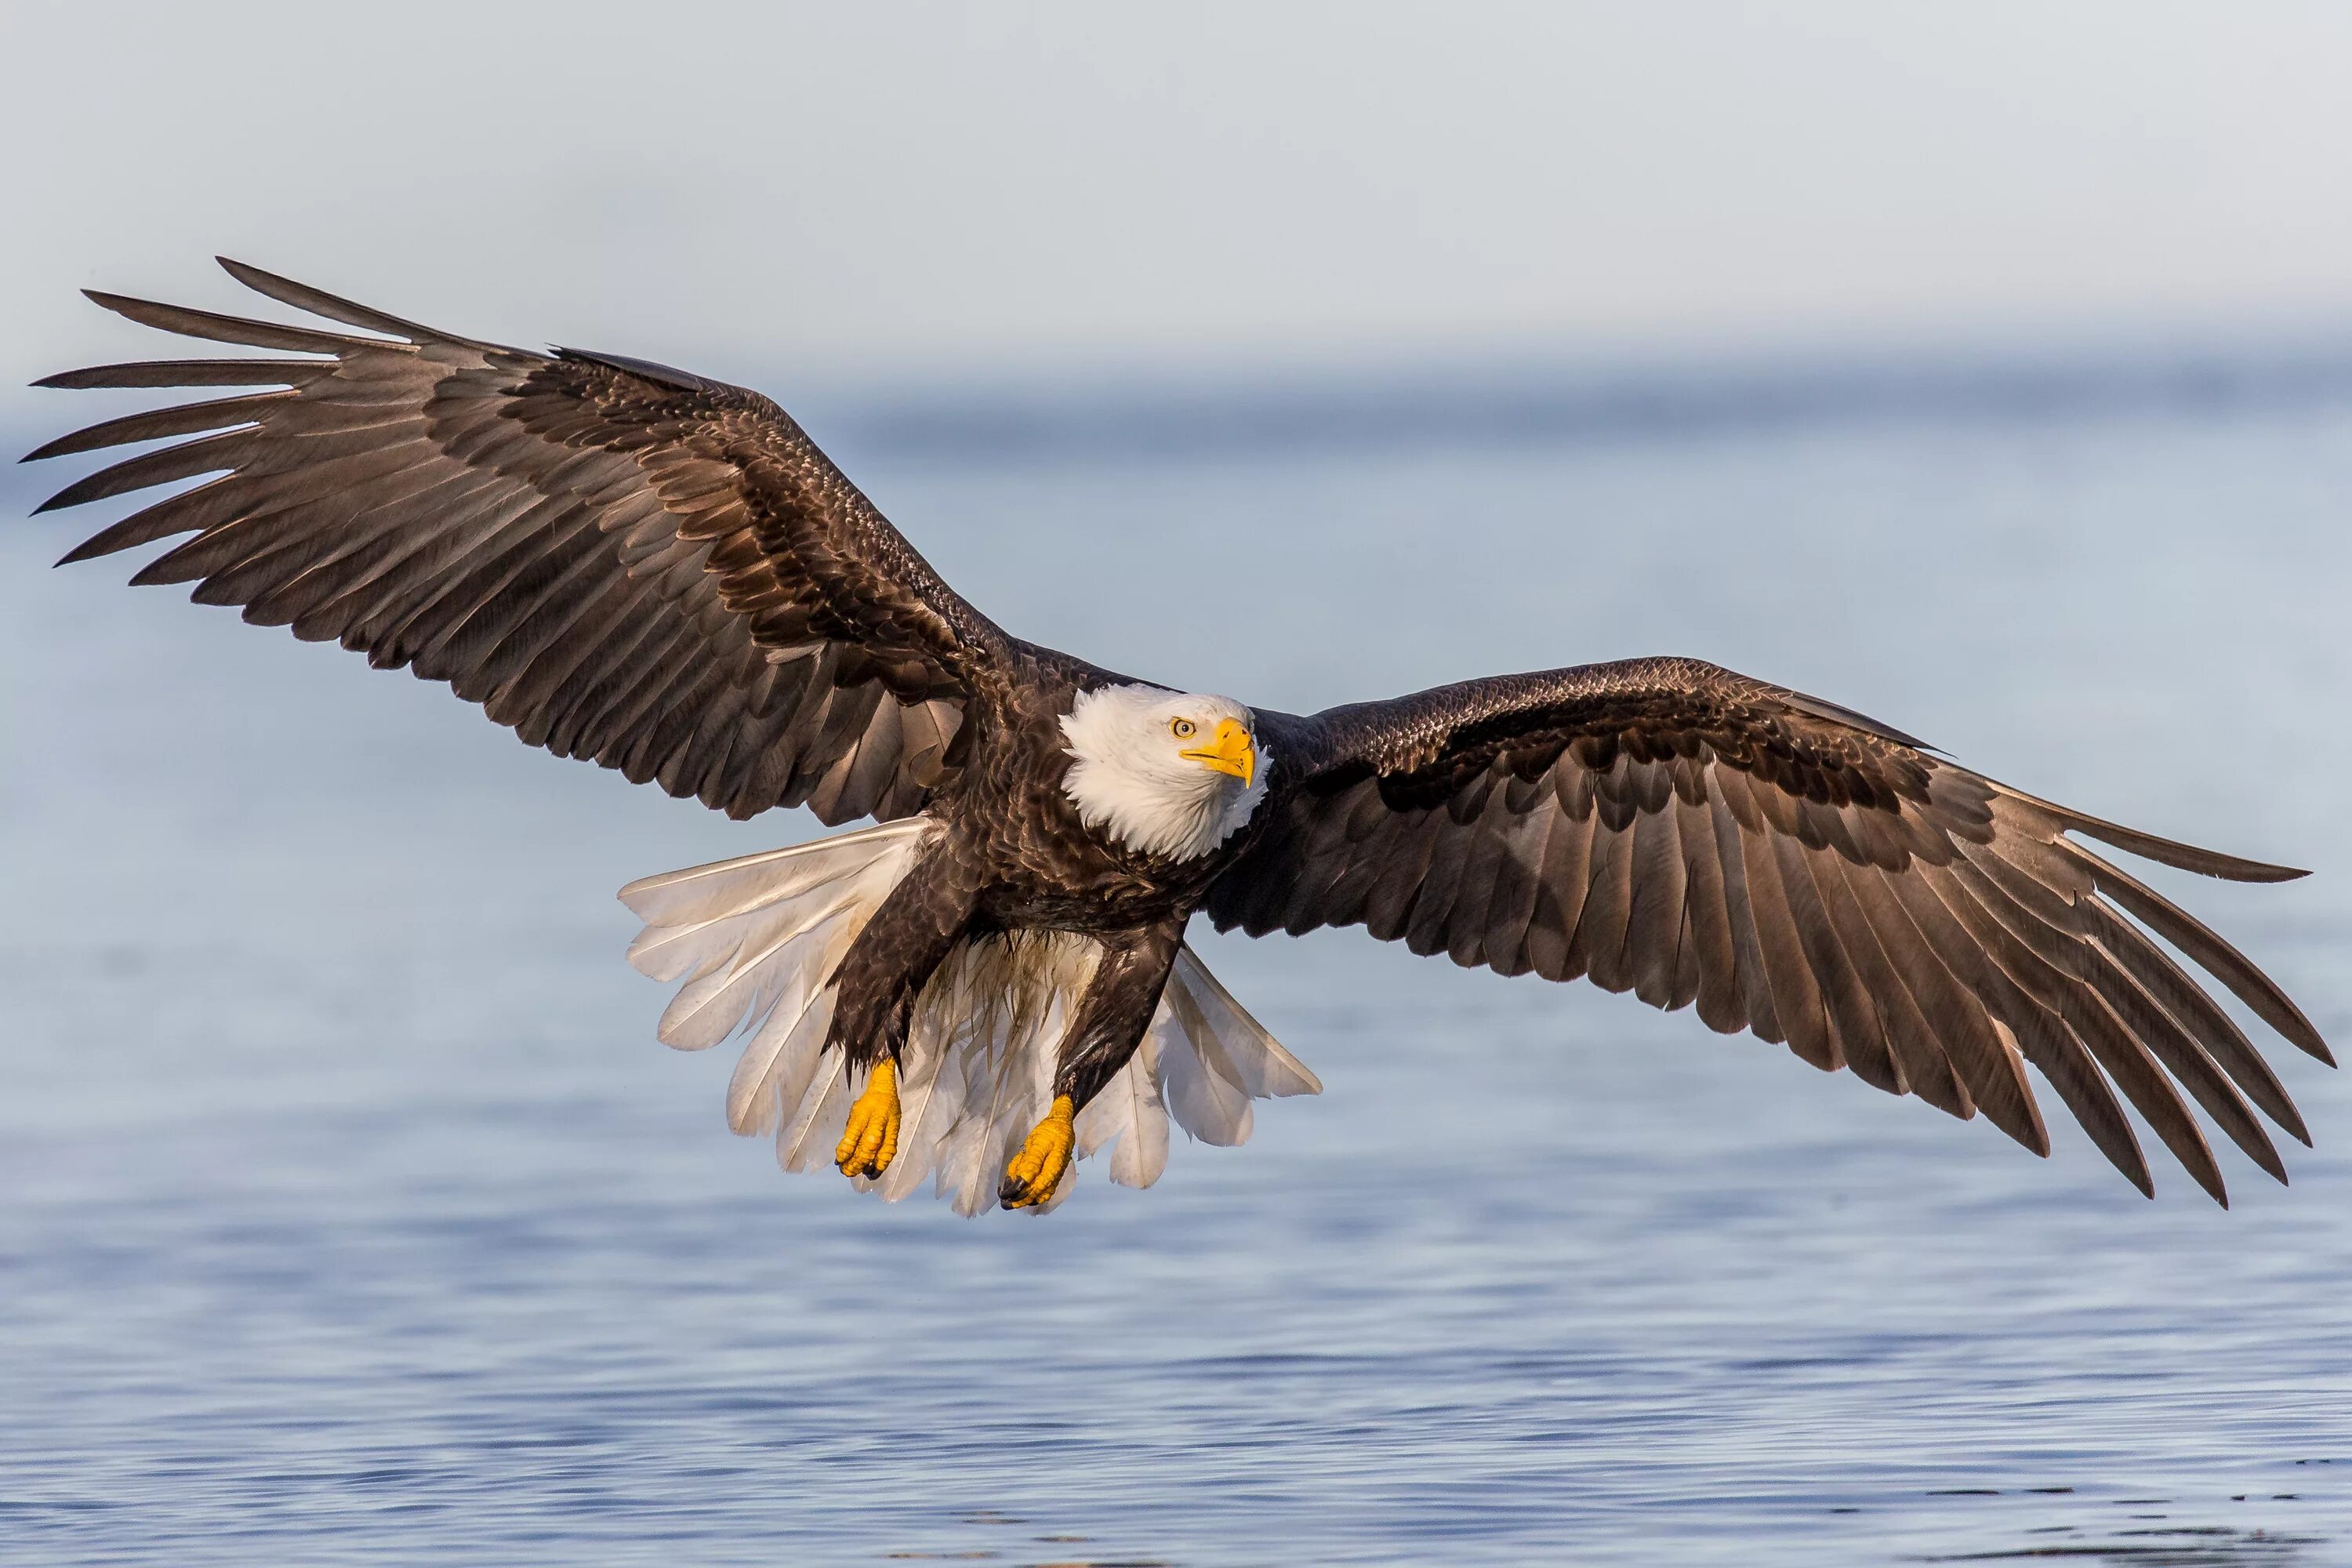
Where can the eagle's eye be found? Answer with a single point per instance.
(1180, 728)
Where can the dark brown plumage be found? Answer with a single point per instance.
(634, 564)
(620, 561)
(1694, 837)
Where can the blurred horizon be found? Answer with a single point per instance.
(1143, 406)
(1137, 398)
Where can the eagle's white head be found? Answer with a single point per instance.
(1164, 773)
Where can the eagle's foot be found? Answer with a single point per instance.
(1033, 1173)
(871, 1141)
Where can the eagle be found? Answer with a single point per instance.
(661, 573)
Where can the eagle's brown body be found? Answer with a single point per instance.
(663, 573)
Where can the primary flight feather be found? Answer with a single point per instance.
(634, 564)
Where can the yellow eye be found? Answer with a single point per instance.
(1180, 728)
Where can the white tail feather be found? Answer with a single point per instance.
(776, 1067)
(1129, 1110)
(756, 942)
(1267, 1071)
(825, 1106)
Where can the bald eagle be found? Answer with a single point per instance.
(634, 564)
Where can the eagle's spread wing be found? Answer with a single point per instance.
(621, 561)
(1690, 834)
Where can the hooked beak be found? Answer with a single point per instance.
(1230, 751)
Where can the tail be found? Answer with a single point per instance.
(756, 942)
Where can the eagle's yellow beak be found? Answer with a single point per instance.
(1232, 752)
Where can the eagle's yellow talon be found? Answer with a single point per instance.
(871, 1141)
(1031, 1175)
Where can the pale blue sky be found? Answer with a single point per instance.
(888, 190)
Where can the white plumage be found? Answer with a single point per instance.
(755, 942)
(1134, 781)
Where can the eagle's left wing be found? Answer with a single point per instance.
(1796, 870)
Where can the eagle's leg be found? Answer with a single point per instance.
(884, 972)
(1108, 1025)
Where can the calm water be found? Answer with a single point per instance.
(351, 1214)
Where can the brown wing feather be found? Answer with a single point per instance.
(619, 560)
(1793, 868)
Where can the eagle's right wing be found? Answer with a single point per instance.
(620, 560)
(1690, 834)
